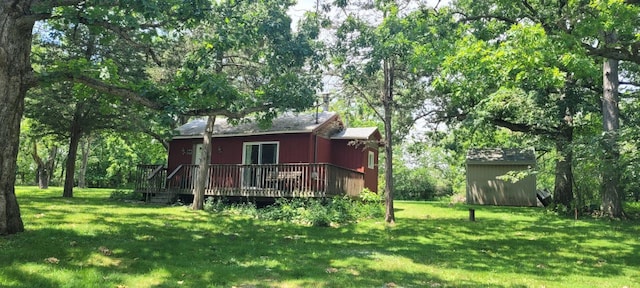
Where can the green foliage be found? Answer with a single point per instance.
(222, 205)
(368, 196)
(314, 212)
(246, 58)
(125, 195)
(214, 205)
(417, 183)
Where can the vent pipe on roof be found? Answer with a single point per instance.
(325, 102)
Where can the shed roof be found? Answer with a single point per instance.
(286, 123)
(355, 133)
(501, 156)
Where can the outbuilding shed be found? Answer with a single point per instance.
(485, 186)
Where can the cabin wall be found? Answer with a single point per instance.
(323, 148)
(181, 152)
(371, 175)
(356, 157)
(293, 148)
(346, 155)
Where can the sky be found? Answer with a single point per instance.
(307, 5)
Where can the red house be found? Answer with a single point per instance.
(299, 155)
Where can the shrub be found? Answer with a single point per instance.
(125, 195)
(418, 184)
(368, 196)
(315, 212)
(214, 205)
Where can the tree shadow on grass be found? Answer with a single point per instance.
(171, 247)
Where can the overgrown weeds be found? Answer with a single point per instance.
(305, 211)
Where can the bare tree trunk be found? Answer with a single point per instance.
(203, 168)
(76, 134)
(51, 163)
(387, 103)
(85, 147)
(42, 174)
(563, 188)
(16, 77)
(611, 194)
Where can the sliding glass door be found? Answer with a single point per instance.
(258, 153)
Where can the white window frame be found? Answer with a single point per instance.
(244, 158)
(244, 150)
(371, 160)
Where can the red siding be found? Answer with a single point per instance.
(347, 156)
(294, 148)
(324, 150)
(371, 175)
(181, 152)
(356, 157)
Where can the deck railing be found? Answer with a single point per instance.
(270, 180)
(150, 178)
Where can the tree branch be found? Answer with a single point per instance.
(125, 93)
(226, 112)
(466, 18)
(35, 155)
(519, 127)
(123, 34)
(363, 95)
(632, 83)
(613, 53)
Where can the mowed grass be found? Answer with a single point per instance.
(89, 241)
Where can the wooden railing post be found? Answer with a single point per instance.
(269, 180)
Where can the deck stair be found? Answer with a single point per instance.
(162, 197)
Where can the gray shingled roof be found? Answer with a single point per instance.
(287, 122)
(355, 133)
(501, 156)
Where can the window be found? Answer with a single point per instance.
(372, 160)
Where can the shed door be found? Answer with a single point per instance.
(257, 154)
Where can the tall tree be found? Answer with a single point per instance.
(135, 21)
(584, 25)
(611, 193)
(521, 83)
(246, 61)
(385, 56)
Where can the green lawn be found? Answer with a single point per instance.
(89, 241)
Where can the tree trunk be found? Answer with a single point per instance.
(611, 193)
(51, 163)
(76, 134)
(387, 102)
(16, 77)
(82, 183)
(42, 175)
(563, 188)
(203, 168)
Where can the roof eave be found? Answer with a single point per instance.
(242, 134)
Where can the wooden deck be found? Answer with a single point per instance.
(272, 180)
